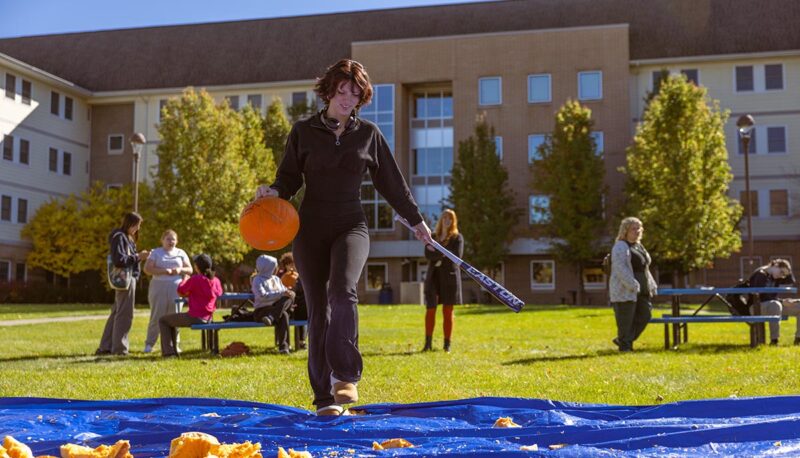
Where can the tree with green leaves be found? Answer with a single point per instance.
(276, 129)
(570, 172)
(482, 199)
(210, 161)
(70, 235)
(678, 177)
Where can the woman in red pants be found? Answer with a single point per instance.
(443, 279)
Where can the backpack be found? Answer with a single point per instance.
(739, 304)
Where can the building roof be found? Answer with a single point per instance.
(299, 48)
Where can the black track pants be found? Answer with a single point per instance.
(330, 253)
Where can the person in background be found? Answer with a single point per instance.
(631, 286)
(122, 244)
(167, 264)
(287, 271)
(330, 153)
(777, 273)
(201, 290)
(443, 278)
(272, 300)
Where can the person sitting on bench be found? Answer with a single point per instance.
(272, 300)
(777, 273)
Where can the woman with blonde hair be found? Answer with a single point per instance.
(167, 264)
(631, 285)
(443, 279)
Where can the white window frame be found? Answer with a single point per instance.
(366, 274)
(110, 186)
(681, 70)
(16, 200)
(62, 161)
(229, 98)
(14, 152)
(765, 136)
(159, 107)
(11, 209)
(115, 152)
(531, 198)
(500, 89)
(589, 72)
(18, 155)
(736, 81)
(549, 88)
(783, 75)
(498, 146)
(422, 270)
(532, 151)
(542, 286)
(769, 203)
(14, 89)
(593, 286)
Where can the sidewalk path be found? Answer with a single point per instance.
(62, 319)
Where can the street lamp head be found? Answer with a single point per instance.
(745, 124)
(137, 143)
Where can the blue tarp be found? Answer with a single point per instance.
(718, 427)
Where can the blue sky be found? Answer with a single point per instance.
(40, 17)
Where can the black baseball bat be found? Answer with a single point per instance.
(495, 289)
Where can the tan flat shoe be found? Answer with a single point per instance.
(331, 410)
(344, 392)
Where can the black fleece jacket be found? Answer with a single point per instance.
(333, 169)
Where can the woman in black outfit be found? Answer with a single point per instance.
(330, 152)
(443, 278)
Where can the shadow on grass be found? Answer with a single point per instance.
(685, 349)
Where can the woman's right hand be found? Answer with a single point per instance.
(266, 191)
(143, 255)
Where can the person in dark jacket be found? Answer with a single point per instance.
(777, 273)
(122, 244)
(443, 278)
(331, 152)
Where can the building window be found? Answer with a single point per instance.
(24, 151)
(233, 102)
(744, 78)
(381, 112)
(162, 103)
(68, 108)
(22, 211)
(751, 148)
(773, 77)
(22, 272)
(116, 143)
(543, 275)
(378, 211)
(55, 103)
(778, 202)
(11, 86)
(254, 100)
(753, 202)
(534, 142)
(590, 85)
(658, 78)
(299, 98)
(53, 160)
(5, 271)
(593, 275)
(26, 93)
(776, 139)
(8, 147)
(539, 88)
(377, 274)
(498, 147)
(692, 74)
(539, 209)
(67, 164)
(599, 142)
(5, 208)
(432, 161)
(490, 90)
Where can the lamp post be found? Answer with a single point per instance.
(137, 144)
(745, 124)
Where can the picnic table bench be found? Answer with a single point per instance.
(210, 330)
(678, 321)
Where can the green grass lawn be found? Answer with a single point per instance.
(559, 353)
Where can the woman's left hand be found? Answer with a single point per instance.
(423, 233)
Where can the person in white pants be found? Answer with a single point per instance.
(167, 265)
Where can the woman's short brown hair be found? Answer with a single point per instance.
(344, 70)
